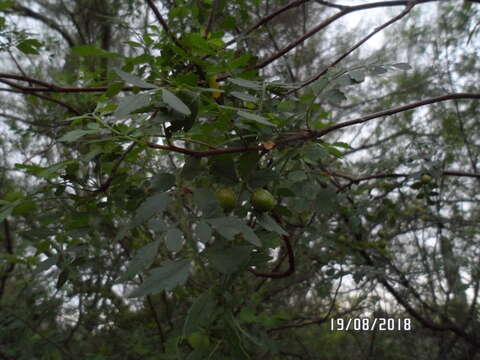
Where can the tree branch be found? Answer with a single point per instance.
(291, 264)
(164, 24)
(49, 87)
(346, 10)
(266, 19)
(17, 89)
(22, 10)
(357, 45)
(395, 110)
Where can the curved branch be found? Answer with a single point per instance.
(358, 44)
(305, 135)
(393, 111)
(206, 153)
(164, 24)
(111, 177)
(266, 19)
(44, 97)
(52, 87)
(291, 264)
(49, 87)
(24, 11)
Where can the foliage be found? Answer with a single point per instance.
(351, 181)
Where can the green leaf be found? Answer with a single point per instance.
(228, 260)
(163, 181)
(166, 277)
(246, 83)
(142, 260)
(191, 168)
(174, 240)
(114, 88)
(157, 225)
(76, 134)
(244, 96)
(200, 313)
(52, 171)
(153, 205)
(335, 96)
(268, 223)
(342, 145)
(222, 168)
(203, 232)
(247, 163)
(29, 46)
(250, 235)
(131, 103)
(326, 200)
(174, 102)
(134, 80)
(357, 75)
(332, 150)
(230, 226)
(254, 117)
(402, 66)
(206, 202)
(296, 176)
(24, 208)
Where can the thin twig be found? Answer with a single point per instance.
(164, 24)
(49, 87)
(17, 89)
(408, 8)
(291, 264)
(109, 180)
(266, 19)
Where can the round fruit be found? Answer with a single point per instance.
(263, 200)
(227, 198)
(426, 178)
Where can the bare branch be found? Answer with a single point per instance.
(266, 19)
(164, 24)
(358, 44)
(44, 97)
(345, 10)
(49, 87)
(24, 11)
(396, 110)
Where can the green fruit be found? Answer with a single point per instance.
(227, 198)
(263, 200)
(425, 179)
